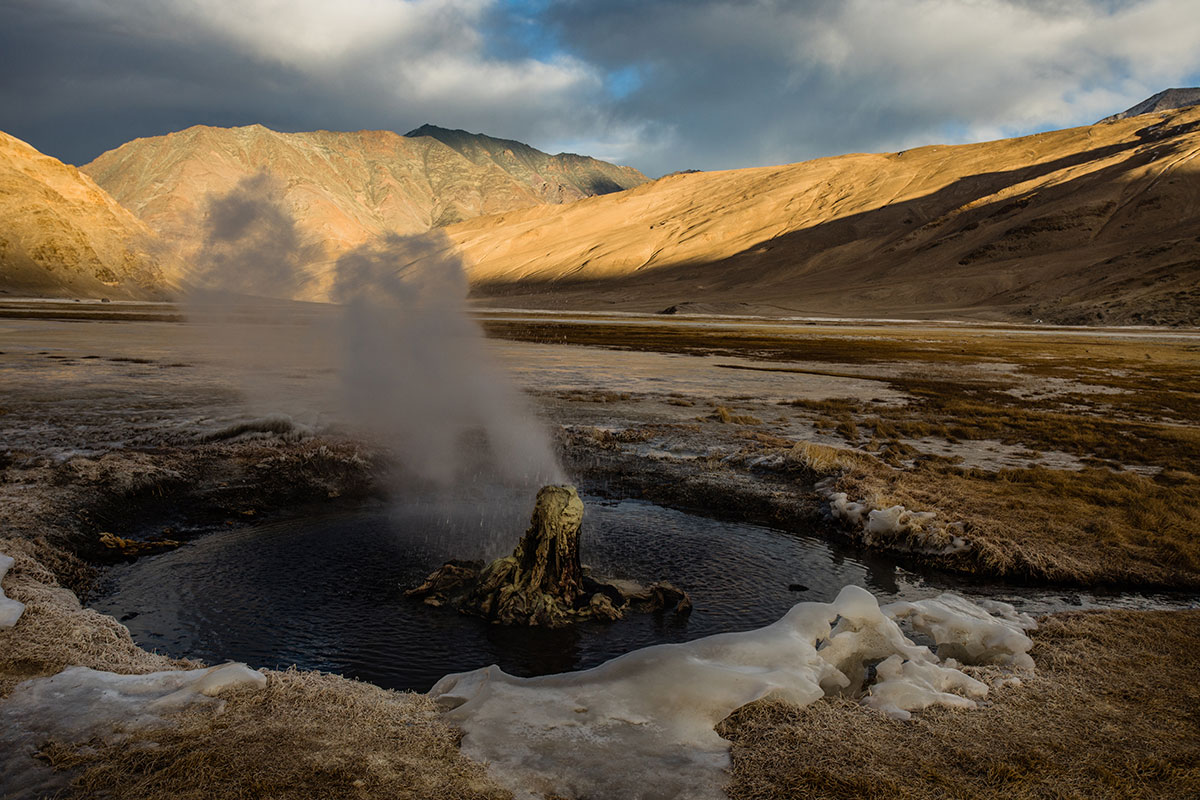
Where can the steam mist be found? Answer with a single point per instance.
(415, 369)
(399, 362)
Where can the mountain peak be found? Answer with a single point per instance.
(460, 139)
(572, 173)
(1166, 100)
(436, 131)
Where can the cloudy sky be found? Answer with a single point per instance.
(662, 85)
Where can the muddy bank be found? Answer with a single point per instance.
(745, 474)
(323, 733)
(66, 507)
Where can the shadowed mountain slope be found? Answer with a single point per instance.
(62, 235)
(345, 188)
(1088, 225)
(557, 179)
(1166, 100)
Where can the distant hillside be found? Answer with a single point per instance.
(1088, 225)
(346, 188)
(62, 235)
(1166, 100)
(558, 179)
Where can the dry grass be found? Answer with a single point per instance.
(960, 410)
(593, 396)
(1090, 526)
(1049, 353)
(1157, 378)
(306, 735)
(1097, 525)
(1113, 712)
(55, 632)
(818, 458)
(725, 416)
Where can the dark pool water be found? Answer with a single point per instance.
(327, 593)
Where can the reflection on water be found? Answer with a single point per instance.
(327, 593)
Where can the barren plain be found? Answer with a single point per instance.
(1061, 466)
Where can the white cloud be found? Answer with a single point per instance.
(771, 81)
(1003, 65)
(472, 79)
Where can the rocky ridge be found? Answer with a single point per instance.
(1166, 100)
(63, 235)
(345, 188)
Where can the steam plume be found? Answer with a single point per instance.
(414, 365)
(399, 362)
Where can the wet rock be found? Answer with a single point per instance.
(119, 545)
(542, 582)
(661, 597)
(454, 578)
(601, 607)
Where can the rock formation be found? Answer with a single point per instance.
(543, 582)
(345, 188)
(1166, 100)
(62, 235)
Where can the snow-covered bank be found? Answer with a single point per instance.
(81, 705)
(641, 726)
(10, 610)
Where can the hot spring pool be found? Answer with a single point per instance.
(327, 592)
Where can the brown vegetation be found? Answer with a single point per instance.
(1112, 712)
(55, 631)
(725, 416)
(1106, 403)
(306, 735)
(1092, 526)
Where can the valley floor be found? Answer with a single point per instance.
(1062, 458)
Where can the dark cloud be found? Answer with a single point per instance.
(745, 83)
(662, 85)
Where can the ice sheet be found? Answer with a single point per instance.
(641, 726)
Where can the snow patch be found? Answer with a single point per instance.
(641, 725)
(966, 631)
(896, 527)
(10, 610)
(79, 705)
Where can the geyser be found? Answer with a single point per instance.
(543, 581)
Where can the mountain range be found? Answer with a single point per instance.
(344, 189)
(1096, 224)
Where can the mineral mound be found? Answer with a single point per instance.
(543, 581)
